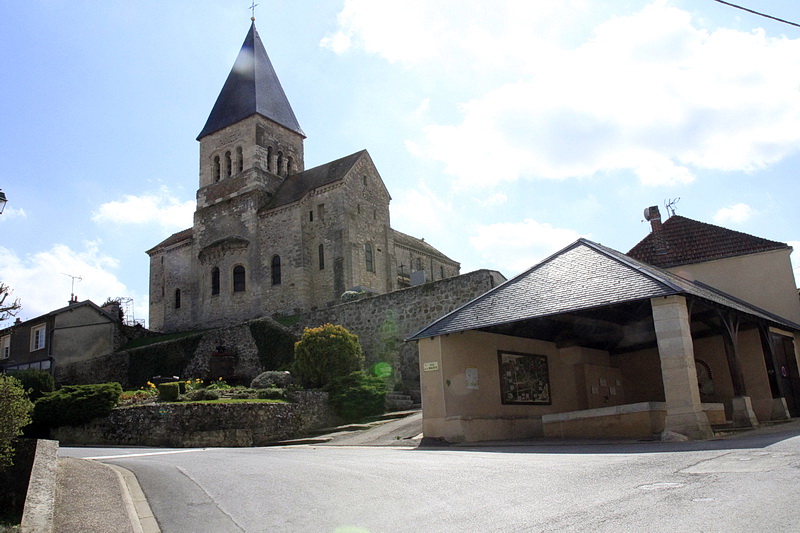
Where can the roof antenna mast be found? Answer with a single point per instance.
(72, 290)
(670, 205)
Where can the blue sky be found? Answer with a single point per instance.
(504, 130)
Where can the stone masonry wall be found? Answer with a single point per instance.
(383, 322)
(197, 425)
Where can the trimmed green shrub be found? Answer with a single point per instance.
(199, 395)
(74, 405)
(325, 353)
(169, 392)
(357, 396)
(15, 409)
(272, 378)
(35, 382)
(273, 393)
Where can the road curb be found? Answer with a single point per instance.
(139, 512)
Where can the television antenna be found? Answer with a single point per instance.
(72, 289)
(670, 205)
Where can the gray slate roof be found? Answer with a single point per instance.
(295, 186)
(584, 275)
(252, 87)
(408, 241)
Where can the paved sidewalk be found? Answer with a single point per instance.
(92, 497)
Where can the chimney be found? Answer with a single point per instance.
(652, 215)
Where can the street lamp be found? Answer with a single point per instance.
(3, 201)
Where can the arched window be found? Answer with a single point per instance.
(321, 257)
(238, 278)
(239, 159)
(269, 158)
(215, 281)
(228, 164)
(419, 263)
(276, 270)
(368, 258)
(289, 163)
(216, 168)
(177, 298)
(441, 272)
(279, 170)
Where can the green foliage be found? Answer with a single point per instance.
(35, 382)
(15, 409)
(199, 395)
(357, 396)
(219, 384)
(272, 393)
(161, 359)
(169, 392)
(272, 378)
(325, 353)
(74, 405)
(275, 345)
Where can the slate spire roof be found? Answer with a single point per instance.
(252, 87)
(584, 275)
(682, 241)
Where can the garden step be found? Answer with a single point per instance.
(396, 401)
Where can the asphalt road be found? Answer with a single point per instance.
(745, 484)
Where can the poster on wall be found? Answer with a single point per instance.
(524, 379)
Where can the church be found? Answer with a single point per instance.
(270, 237)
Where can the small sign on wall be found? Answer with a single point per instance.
(430, 367)
(471, 373)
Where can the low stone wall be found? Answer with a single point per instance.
(192, 425)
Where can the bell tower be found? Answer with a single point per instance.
(252, 131)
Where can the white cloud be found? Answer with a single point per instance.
(421, 211)
(162, 208)
(11, 212)
(40, 281)
(649, 93)
(513, 247)
(736, 214)
(492, 200)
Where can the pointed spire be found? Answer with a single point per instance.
(252, 87)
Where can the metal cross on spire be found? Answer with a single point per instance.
(253, 10)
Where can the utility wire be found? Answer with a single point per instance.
(757, 13)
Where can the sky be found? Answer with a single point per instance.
(504, 130)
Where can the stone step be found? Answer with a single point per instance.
(396, 401)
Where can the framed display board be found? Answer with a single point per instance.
(524, 378)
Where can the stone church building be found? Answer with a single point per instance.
(270, 237)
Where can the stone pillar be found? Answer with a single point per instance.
(273, 163)
(743, 415)
(675, 348)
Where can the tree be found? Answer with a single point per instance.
(325, 353)
(7, 310)
(15, 410)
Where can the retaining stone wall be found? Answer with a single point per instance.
(193, 425)
(383, 322)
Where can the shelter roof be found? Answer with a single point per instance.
(681, 241)
(252, 87)
(583, 276)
